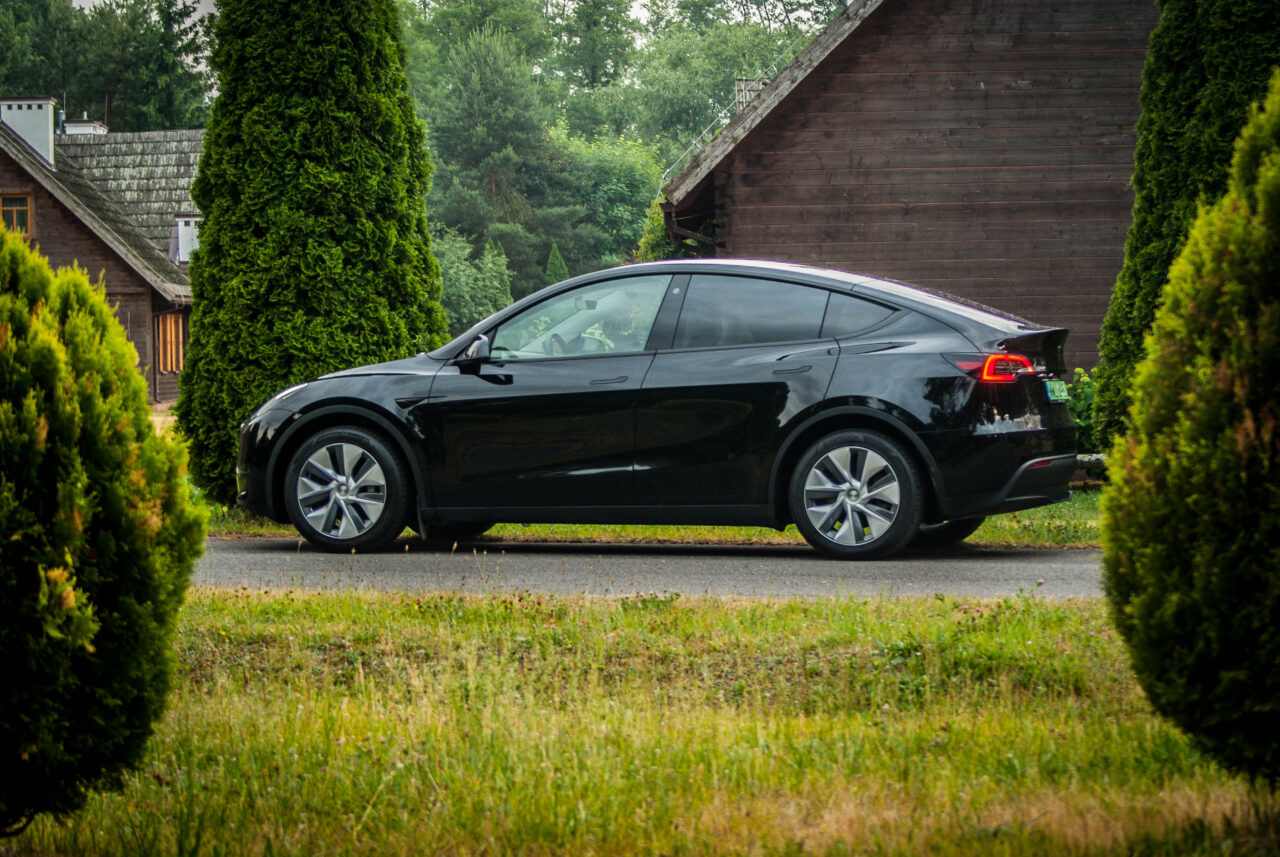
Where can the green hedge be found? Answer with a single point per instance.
(1191, 522)
(1207, 61)
(98, 537)
(314, 253)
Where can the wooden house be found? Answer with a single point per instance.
(977, 147)
(116, 205)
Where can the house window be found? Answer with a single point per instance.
(15, 209)
(171, 341)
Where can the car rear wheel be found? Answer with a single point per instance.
(856, 495)
(346, 489)
(946, 533)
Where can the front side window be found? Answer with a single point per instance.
(723, 311)
(15, 210)
(612, 317)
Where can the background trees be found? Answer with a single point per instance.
(130, 63)
(1191, 523)
(1208, 60)
(314, 253)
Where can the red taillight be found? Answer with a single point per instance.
(1004, 368)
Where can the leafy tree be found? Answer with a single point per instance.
(131, 63)
(98, 536)
(1208, 60)
(314, 251)
(655, 241)
(1191, 522)
(472, 289)
(597, 40)
(556, 270)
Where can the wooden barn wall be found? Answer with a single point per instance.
(977, 147)
(64, 240)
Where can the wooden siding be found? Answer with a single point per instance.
(64, 240)
(978, 147)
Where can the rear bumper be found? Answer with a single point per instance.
(1038, 482)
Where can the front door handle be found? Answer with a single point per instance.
(796, 371)
(617, 380)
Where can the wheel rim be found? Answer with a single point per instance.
(852, 495)
(341, 490)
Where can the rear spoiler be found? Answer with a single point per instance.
(1045, 348)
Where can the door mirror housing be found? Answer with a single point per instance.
(477, 352)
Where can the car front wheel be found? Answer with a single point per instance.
(856, 495)
(346, 489)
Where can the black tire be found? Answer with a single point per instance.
(450, 534)
(876, 500)
(347, 489)
(946, 533)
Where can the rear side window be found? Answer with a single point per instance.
(847, 315)
(720, 311)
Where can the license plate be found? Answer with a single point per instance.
(1056, 389)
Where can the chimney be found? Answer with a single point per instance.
(71, 127)
(32, 120)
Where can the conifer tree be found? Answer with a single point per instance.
(314, 253)
(1191, 522)
(1208, 60)
(557, 270)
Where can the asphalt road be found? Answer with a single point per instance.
(620, 570)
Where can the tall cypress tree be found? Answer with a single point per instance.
(314, 253)
(1208, 60)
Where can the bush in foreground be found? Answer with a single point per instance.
(97, 540)
(1191, 524)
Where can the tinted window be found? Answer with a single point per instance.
(847, 314)
(742, 311)
(612, 317)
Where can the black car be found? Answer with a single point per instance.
(871, 414)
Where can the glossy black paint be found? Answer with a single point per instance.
(695, 435)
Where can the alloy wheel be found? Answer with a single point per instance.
(341, 490)
(852, 495)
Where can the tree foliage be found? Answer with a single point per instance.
(98, 537)
(1191, 523)
(314, 252)
(472, 288)
(134, 64)
(1208, 60)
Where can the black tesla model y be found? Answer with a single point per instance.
(871, 414)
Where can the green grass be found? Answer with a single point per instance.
(454, 725)
(1071, 524)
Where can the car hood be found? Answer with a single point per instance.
(419, 364)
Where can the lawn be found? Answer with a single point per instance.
(457, 725)
(1071, 524)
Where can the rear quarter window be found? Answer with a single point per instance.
(847, 315)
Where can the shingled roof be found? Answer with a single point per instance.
(74, 188)
(148, 174)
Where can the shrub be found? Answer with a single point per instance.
(1081, 391)
(97, 540)
(1191, 522)
(1207, 61)
(314, 252)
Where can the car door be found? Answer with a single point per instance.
(747, 358)
(548, 420)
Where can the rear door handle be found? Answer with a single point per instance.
(617, 380)
(796, 371)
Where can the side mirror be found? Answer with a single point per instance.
(477, 352)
